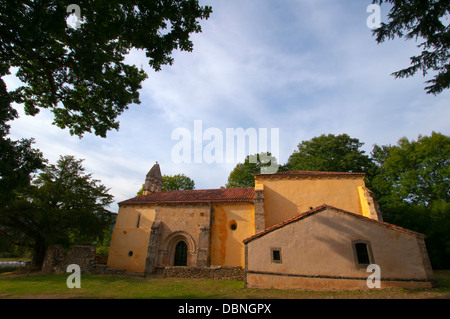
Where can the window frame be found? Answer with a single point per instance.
(276, 261)
(369, 253)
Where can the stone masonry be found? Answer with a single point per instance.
(212, 272)
(56, 261)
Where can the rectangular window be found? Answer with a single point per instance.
(138, 221)
(363, 253)
(276, 255)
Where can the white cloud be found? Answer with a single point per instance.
(306, 67)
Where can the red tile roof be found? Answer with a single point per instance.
(222, 195)
(322, 208)
(312, 173)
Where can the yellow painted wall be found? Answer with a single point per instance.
(128, 215)
(227, 248)
(128, 237)
(365, 208)
(286, 197)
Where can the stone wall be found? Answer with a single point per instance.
(213, 272)
(56, 261)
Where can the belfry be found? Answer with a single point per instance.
(153, 180)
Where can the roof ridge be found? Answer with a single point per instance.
(194, 196)
(197, 190)
(313, 173)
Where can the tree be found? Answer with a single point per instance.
(243, 175)
(339, 153)
(176, 182)
(412, 184)
(425, 20)
(415, 172)
(18, 160)
(62, 206)
(79, 73)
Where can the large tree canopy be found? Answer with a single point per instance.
(412, 183)
(338, 153)
(79, 73)
(416, 172)
(428, 22)
(18, 160)
(64, 205)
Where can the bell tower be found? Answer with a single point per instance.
(153, 180)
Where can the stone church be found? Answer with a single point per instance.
(301, 229)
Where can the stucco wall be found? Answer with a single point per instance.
(210, 242)
(128, 216)
(286, 197)
(127, 237)
(227, 248)
(319, 249)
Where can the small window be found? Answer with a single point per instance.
(130, 253)
(138, 221)
(233, 225)
(276, 255)
(363, 253)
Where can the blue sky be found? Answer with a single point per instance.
(306, 67)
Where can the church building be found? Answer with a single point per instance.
(296, 230)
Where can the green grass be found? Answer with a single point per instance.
(39, 285)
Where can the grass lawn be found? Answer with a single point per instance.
(17, 285)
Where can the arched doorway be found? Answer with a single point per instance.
(169, 249)
(180, 258)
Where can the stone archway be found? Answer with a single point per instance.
(187, 251)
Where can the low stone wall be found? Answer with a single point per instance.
(56, 261)
(213, 272)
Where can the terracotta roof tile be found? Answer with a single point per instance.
(311, 173)
(319, 209)
(222, 195)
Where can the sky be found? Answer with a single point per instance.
(301, 68)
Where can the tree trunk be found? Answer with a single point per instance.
(40, 248)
